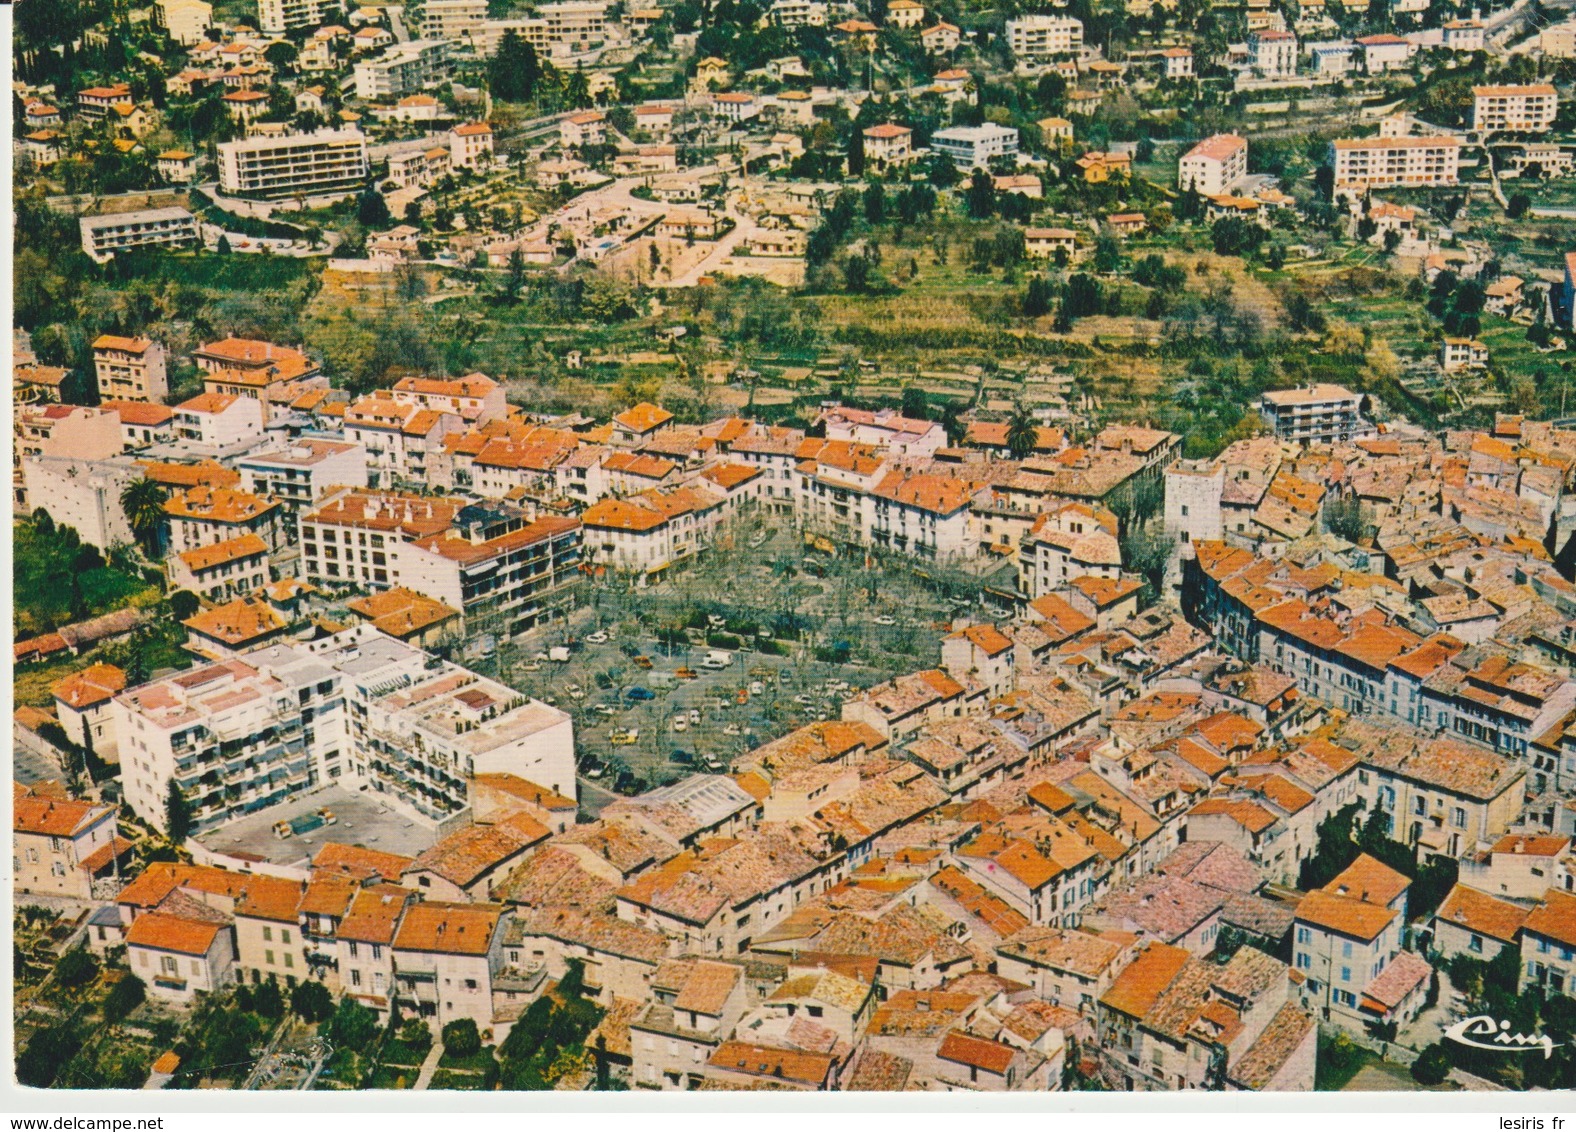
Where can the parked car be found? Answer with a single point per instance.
(597, 638)
(639, 693)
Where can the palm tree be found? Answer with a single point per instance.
(143, 502)
(1022, 433)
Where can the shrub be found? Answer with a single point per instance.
(1432, 1065)
(311, 1001)
(126, 996)
(416, 1033)
(461, 1038)
(76, 968)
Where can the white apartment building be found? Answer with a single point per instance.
(321, 162)
(219, 420)
(457, 21)
(103, 236)
(81, 494)
(1274, 53)
(972, 147)
(276, 16)
(556, 29)
(358, 708)
(401, 438)
(184, 21)
(404, 68)
(1384, 162)
(1039, 36)
(1193, 493)
(798, 13)
(301, 472)
(1214, 165)
(130, 369)
(1315, 414)
(488, 562)
(1528, 108)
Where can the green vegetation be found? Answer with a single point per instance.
(57, 579)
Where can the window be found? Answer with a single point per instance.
(284, 935)
(1458, 818)
(1346, 949)
(268, 935)
(1346, 974)
(1304, 962)
(289, 960)
(1304, 935)
(355, 978)
(1475, 944)
(268, 957)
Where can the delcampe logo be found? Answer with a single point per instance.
(1498, 1035)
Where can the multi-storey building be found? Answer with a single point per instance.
(103, 236)
(1387, 162)
(1529, 108)
(358, 708)
(1038, 37)
(276, 16)
(60, 844)
(302, 472)
(1274, 53)
(1316, 414)
(130, 369)
(973, 147)
(458, 21)
(1214, 165)
(318, 163)
(184, 21)
(404, 68)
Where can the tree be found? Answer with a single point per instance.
(311, 1001)
(1344, 517)
(143, 502)
(1023, 432)
(177, 815)
(1147, 554)
(875, 204)
(1038, 296)
(76, 968)
(514, 71)
(461, 1038)
(856, 153)
(266, 999)
(980, 197)
(46, 1054)
(123, 998)
(572, 986)
(372, 211)
(183, 604)
(223, 247)
(915, 404)
(1432, 1065)
(1518, 205)
(352, 1026)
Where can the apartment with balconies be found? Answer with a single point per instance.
(1527, 108)
(324, 162)
(358, 708)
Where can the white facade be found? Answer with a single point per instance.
(1526, 109)
(1036, 37)
(1384, 162)
(1213, 165)
(83, 495)
(275, 16)
(103, 236)
(358, 708)
(325, 161)
(972, 147)
(403, 69)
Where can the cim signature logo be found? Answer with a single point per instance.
(1498, 1036)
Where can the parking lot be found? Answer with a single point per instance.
(648, 709)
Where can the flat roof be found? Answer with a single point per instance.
(364, 818)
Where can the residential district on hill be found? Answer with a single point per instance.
(534, 569)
